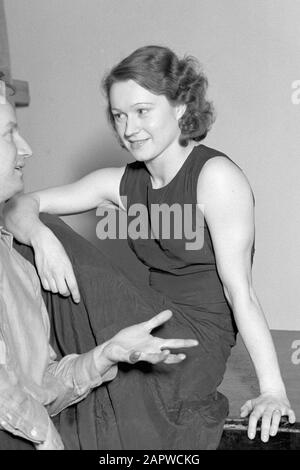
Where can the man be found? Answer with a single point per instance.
(33, 384)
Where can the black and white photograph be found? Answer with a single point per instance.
(149, 227)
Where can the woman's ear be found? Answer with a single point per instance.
(180, 110)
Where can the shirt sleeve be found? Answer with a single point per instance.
(71, 378)
(75, 376)
(20, 413)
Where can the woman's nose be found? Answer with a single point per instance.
(132, 126)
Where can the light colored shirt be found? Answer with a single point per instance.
(33, 384)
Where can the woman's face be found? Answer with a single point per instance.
(147, 124)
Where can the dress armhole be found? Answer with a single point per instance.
(123, 187)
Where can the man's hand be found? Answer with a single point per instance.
(136, 343)
(53, 265)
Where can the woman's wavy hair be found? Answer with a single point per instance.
(159, 70)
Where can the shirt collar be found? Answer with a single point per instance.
(7, 237)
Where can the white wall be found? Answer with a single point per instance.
(250, 52)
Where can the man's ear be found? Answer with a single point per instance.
(180, 110)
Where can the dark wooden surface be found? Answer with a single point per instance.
(235, 437)
(240, 384)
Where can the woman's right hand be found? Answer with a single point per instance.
(53, 264)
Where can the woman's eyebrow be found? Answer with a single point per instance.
(142, 102)
(134, 105)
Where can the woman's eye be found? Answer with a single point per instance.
(142, 111)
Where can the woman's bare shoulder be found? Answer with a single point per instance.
(220, 177)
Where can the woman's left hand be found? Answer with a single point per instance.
(270, 407)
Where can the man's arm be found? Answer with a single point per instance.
(22, 415)
(75, 376)
(78, 374)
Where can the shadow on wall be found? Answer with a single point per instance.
(102, 153)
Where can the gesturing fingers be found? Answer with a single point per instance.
(174, 358)
(164, 356)
(179, 343)
(154, 358)
(158, 319)
(134, 357)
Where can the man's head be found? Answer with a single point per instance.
(13, 150)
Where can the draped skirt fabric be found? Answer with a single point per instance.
(144, 407)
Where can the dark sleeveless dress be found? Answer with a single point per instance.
(188, 282)
(147, 407)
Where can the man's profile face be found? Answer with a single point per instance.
(13, 152)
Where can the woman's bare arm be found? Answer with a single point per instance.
(229, 211)
(21, 216)
(21, 212)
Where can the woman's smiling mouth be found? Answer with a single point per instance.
(137, 144)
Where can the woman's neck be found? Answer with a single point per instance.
(164, 167)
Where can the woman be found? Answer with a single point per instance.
(158, 109)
